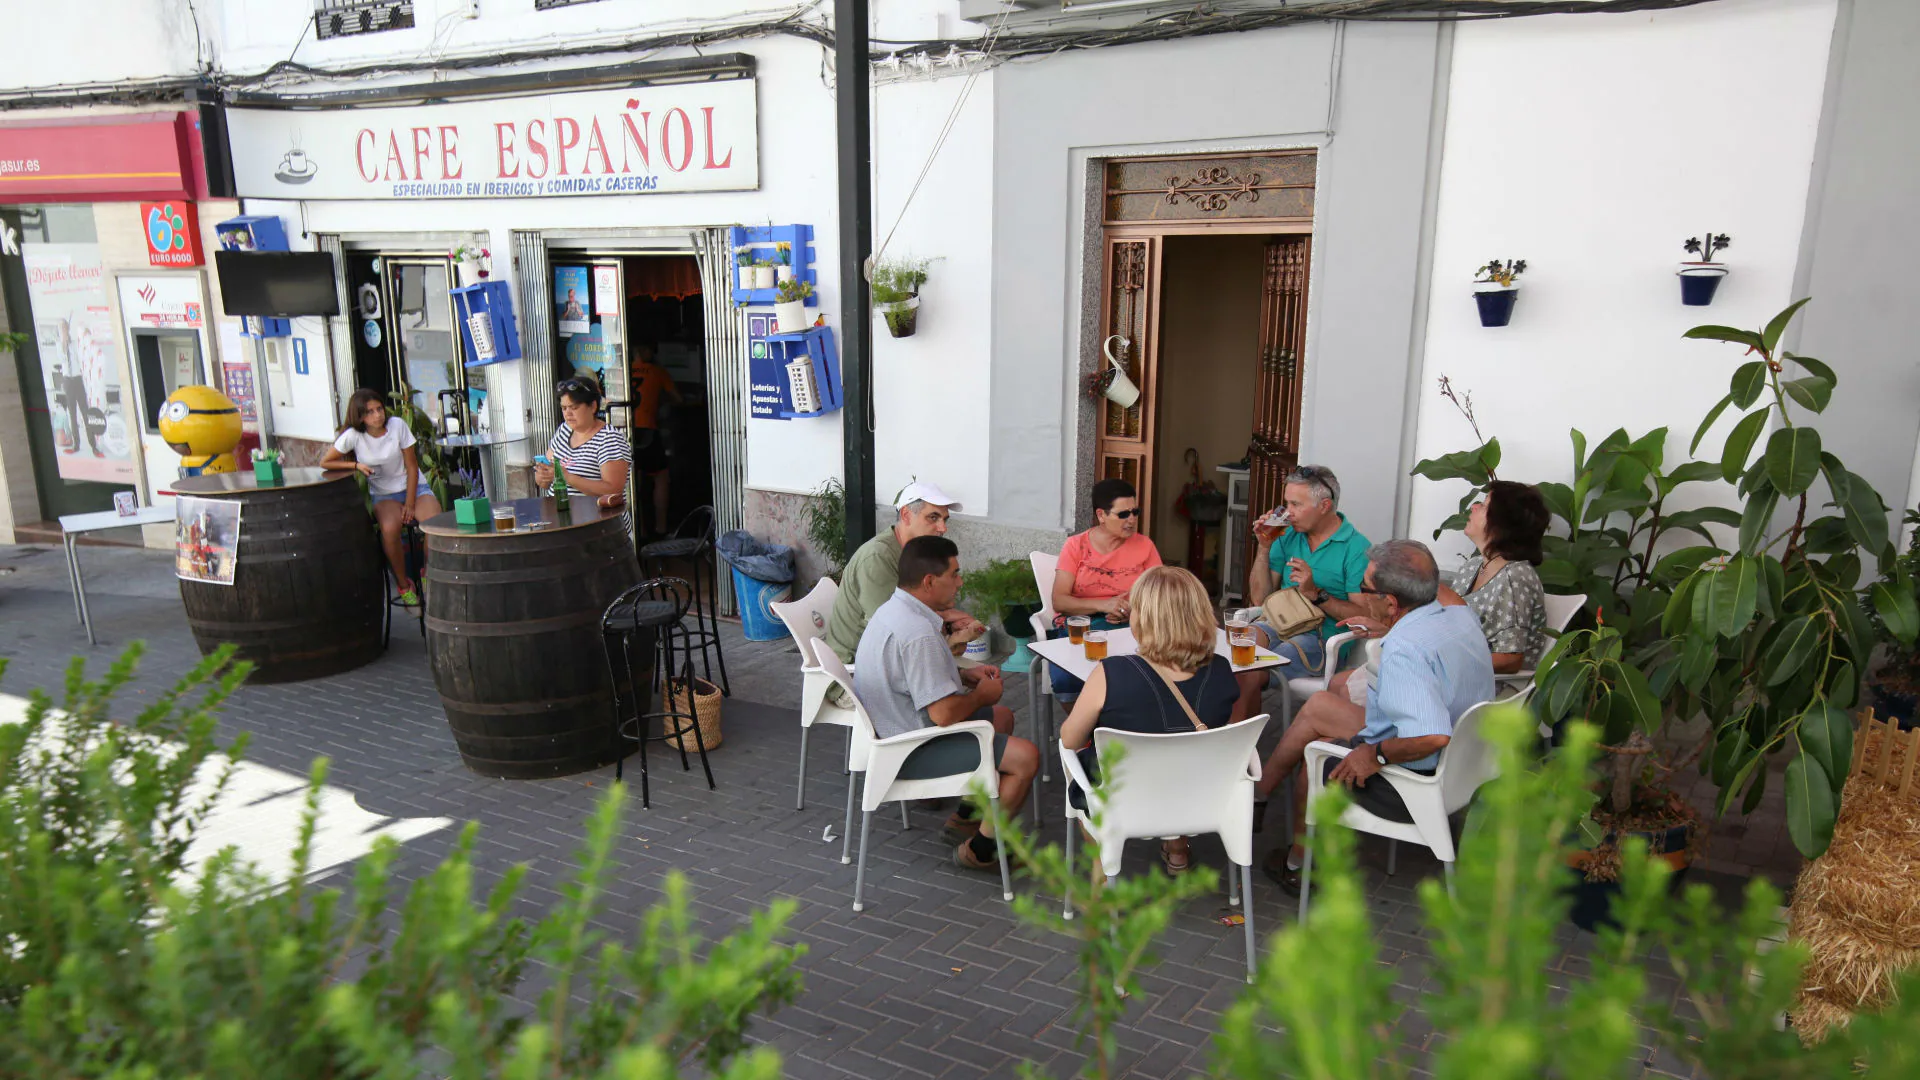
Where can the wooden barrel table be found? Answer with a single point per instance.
(307, 591)
(513, 634)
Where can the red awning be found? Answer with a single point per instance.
(99, 159)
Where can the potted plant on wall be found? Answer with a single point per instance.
(896, 293)
(763, 277)
(782, 262)
(1701, 277)
(743, 260)
(1494, 290)
(790, 306)
(471, 263)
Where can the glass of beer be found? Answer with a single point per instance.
(1241, 642)
(503, 517)
(1096, 643)
(1077, 627)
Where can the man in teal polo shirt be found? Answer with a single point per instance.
(1323, 555)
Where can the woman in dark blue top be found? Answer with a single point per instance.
(1174, 632)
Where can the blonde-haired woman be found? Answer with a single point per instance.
(1175, 682)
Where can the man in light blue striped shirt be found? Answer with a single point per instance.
(1434, 666)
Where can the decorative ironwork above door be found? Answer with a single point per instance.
(1268, 186)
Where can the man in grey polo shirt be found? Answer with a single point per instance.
(906, 677)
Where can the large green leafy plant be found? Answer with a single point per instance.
(1757, 626)
(117, 964)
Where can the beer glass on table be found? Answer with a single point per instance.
(1096, 645)
(1241, 644)
(503, 517)
(1077, 627)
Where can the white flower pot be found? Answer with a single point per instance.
(746, 277)
(763, 277)
(790, 317)
(469, 271)
(782, 274)
(1121, 391)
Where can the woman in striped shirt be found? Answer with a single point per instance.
(596, 458)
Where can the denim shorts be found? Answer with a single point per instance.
(401, 496)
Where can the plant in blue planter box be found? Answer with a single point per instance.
(1701, 277)
(1494, 290)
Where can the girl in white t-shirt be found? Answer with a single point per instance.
(383, 449)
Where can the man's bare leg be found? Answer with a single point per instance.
(1324, 716)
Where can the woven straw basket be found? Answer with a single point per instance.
(705, 708)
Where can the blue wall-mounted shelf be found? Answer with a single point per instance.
(770, 395)
(761, 240)
(493, 302)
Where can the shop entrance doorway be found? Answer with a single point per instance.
(1203, 309)
(636, 324)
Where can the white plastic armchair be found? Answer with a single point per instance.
(883, 759)
(1299, 688)
(1467, 762)
(1560, 612)
(1039, 673)
(1184, 784)
(806, 619)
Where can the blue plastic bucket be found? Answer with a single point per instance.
(756, 613)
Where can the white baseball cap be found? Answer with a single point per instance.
(921, 491)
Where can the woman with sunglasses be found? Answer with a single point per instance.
(1098, 567)
(595, 456)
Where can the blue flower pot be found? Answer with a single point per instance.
(1496, 308)
(1698, 284)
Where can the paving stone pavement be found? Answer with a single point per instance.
(934, 979)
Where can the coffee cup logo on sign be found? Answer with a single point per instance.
(295, 168)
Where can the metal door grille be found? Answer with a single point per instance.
(726, 390)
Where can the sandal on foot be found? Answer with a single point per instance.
(959, 829)
(1275, 867)
(409, 598)
(1176, 862)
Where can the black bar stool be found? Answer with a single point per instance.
(413, 543)
(692, 540)
(647, 642)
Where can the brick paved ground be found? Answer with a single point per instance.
(934, 979)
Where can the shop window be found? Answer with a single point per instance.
(341, 18)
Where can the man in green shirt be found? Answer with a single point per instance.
(1320, 553)
(872, 575)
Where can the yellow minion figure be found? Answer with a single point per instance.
(202, 425)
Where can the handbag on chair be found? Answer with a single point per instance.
(1290, 613)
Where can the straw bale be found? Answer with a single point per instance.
(1814, 1018)
(1858, 906)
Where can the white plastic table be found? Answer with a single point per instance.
(73, 526)
(1072, 659)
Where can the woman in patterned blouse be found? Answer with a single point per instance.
(1499, 581)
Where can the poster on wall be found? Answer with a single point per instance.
(572, 309)
(74, 330)
(590, 353)
(606, 300)
(237, 378)
(206, 539)
(767, 388)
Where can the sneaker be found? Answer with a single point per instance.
(409, 599)
(959, 829)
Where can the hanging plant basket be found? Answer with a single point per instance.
(1699, 281)
(1496, 305)
(903, 316)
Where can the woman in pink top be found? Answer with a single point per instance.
(1098, 567)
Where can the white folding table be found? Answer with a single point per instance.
(73, 526)
(1072, 659)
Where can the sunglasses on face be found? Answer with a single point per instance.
(1122, 514)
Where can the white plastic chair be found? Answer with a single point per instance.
(1298, 688)
(1040, 673)
(806, 619)
(1467, 762)
(883, 758)
(1182, 784)
(1560, 612)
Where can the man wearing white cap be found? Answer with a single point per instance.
(872, 575)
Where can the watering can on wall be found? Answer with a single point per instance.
(1121, 390)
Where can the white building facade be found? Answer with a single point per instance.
(1389, 160)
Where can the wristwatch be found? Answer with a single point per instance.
(1322, 598)
(1379, 755)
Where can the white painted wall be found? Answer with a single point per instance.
(61, 44)
(931, 391)
(1591, 146)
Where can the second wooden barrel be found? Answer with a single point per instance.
(307, 592)
(513, 633)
